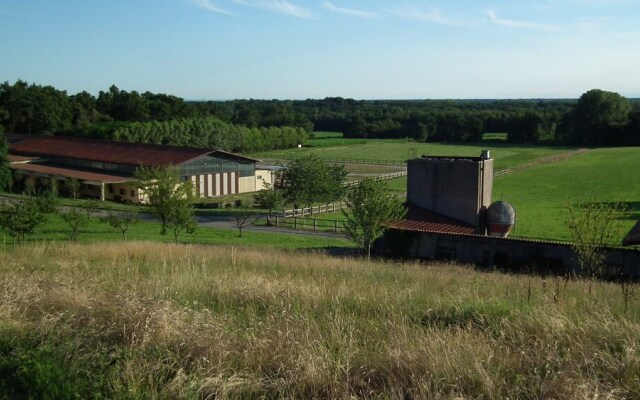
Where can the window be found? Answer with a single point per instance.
(122, 192)
(259, 177)
(110, 188)
(133, 193)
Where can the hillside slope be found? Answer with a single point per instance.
(151, 320)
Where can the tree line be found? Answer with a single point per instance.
(597, 118)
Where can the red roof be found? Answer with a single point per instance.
(105, 151)
(422, 220)
(633, 237)
(54, 170)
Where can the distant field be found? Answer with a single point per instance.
(325, 135)
(494, 136)
(543, 179)
(160, 321)
(506, 155)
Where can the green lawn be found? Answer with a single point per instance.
(56, 230)
(541, 193)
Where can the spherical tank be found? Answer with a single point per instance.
(501, 216)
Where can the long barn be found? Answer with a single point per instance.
(105, 169)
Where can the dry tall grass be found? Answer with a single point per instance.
(143, 320)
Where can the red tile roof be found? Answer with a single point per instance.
(105, 151)
(422, 220)
(55, 170)
(633, 237)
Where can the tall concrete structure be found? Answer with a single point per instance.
(456, 187)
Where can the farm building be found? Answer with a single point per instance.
(451, 217)
(103, 169)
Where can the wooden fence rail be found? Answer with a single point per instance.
(314, 224)
(333, 207)
(383, 177)
(333, 159)
(303, 212)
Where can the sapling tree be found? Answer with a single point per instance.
(23, 217)
(594, 226)
(75, 218)
(372, 208)
(268, 198)
(121, 220)
(242, 219)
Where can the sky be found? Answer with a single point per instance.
(298, 49)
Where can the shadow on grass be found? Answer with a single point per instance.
(631, 208)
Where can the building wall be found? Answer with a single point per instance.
(456, 187)
(212, 185)
(491, 252)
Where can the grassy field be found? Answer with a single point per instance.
(505, 155)
(542, 181)
(541, 193)
(162, 321)
(55, 230)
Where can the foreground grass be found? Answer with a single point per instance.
(144, 320)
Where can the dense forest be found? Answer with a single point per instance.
(597, 118)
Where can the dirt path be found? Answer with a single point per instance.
(545, 160)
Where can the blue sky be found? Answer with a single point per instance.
(296, 49)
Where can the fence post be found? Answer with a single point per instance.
(335, 226)
(314, 224)
(295, 222)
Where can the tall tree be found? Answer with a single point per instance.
(600, 117)
(308, 179)
(372, 208)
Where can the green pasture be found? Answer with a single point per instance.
(540, 190)
(506, 155)
(541, 193)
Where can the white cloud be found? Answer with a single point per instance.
(210, 6)
(434, 16)
(284, 7)
(493, 18)
(356, 13)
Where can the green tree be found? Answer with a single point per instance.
(121, 220)
(308, 179)
(599, 117)
(76, 219)
(268, 198)
(372, 208)
(22, 218)
(5, 170)
(169, 198)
